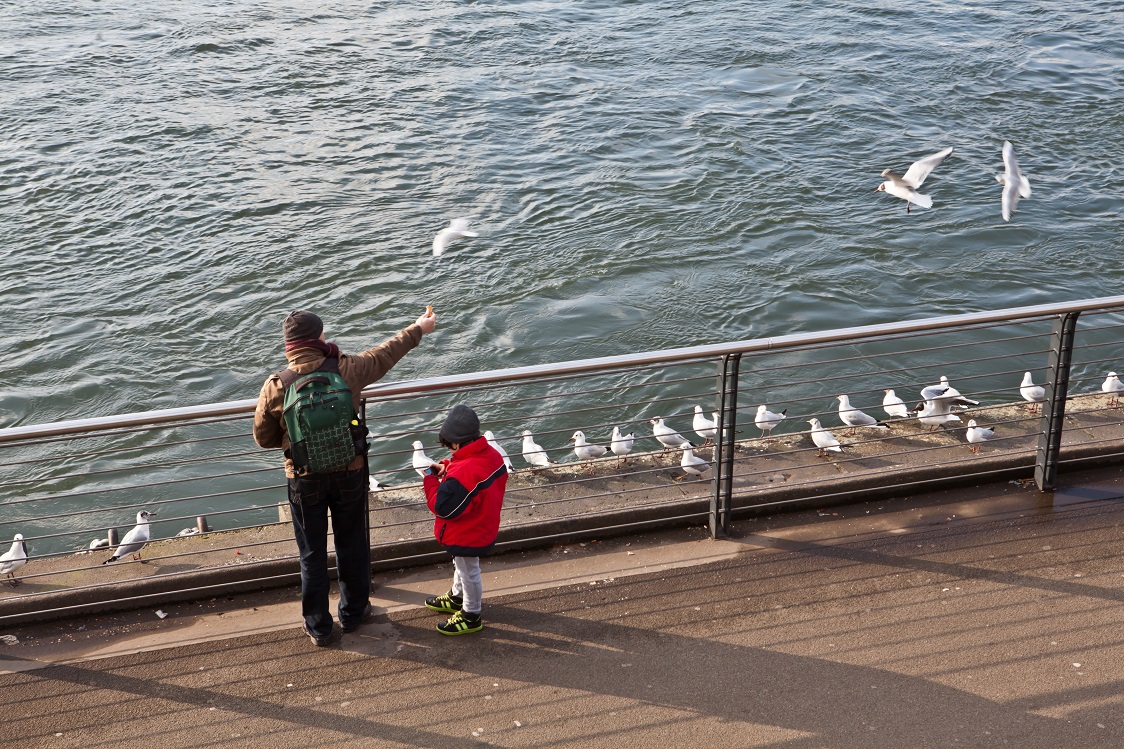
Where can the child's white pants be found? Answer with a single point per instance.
(468, 583)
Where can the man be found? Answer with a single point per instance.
(344, 493)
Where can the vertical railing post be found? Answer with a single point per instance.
(722, 499)
(1053, 409)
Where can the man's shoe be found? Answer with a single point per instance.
(365, 617)
(326, 640)
(461, 623)
(446, 603)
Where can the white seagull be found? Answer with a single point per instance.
(533, 452)
(14, 558)
(704, 427)
(1015, 185)
(457, 229)
(667, 436)
(1031, 393)
(905, 186)
(855, 418)
(622, 444)
(954, 396)
(99, 543)
(824, 439)
(134, 540)
(419, 460)
(977, 435)
(692, 464)
(766, 420)
(499, 448)
(935, 412)
(1114, 387)
(895, 406)
(374, 485)
(585, 451)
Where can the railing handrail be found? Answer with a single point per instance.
(577, 366)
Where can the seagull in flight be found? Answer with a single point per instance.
(1015, 185)
(457, 229)
(954, 396)
(935, 411)
(905, 186)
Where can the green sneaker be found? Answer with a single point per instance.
(446, 603)
(461, 623)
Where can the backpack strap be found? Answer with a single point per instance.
(288, 376)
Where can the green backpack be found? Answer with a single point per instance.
(325, 433)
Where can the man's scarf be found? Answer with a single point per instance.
(330, 349)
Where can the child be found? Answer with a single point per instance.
(465, 494)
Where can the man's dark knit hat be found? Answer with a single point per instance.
(461, 425)
(302, 325)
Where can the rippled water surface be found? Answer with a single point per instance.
(175, 176)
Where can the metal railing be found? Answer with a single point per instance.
(197, 467)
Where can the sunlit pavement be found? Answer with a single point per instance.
(977, 617)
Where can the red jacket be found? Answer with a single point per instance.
(467, 500)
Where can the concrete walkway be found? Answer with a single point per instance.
(981, 617)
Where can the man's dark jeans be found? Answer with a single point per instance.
(310, 499)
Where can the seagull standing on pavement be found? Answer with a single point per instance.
(692, 464)
(895, 406)
(704, 427)
(457, 229)
(855, 418)
(905, 186)
(1015, 185)
(1031, 393)
(585, 451)
(766, 420)
(499, 448)
(1114, 387)
(622, 444)
(533, 452)
(667, 436)
(134, 540)
(419, 460)
(978, 435)
(13, 559)
(936, 411)
(824, 439)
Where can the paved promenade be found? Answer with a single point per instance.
(975, 618)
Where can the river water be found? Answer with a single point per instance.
(176, 176)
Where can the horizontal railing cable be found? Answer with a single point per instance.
(120, 450)
(141, 467)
